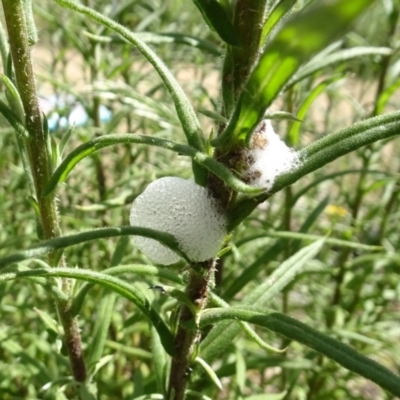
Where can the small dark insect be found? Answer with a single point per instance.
(159, 288)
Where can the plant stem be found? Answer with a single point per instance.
(187, 339)
(239, 61)
(248, 23)
(94, 72)
(40, 167)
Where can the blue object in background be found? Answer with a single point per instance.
(52, 106)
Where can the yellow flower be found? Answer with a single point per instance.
(335, 211)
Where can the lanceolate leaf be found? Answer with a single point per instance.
(302, 111)
(250, 333)
(185, 111)
(117, 285)
(135, 269)
(88, 148)
(162, 38)
(217, 19)
(343, 354)
(332, 241)
(305, 34)
(104, 311)
(14, 99)
(297, 196)
(322, 152)
(323, 61)
(222, 335)
(281, 8)
(386, 95)
(13, 120)
(333, 146)
(159, 360)
(50, 245)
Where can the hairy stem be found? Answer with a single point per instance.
(248, 22)
(40, 166)
(239, 61)
(186, 339)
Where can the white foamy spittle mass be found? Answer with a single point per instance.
(268, 157)
(186, 211)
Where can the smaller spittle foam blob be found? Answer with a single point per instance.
(186, 211)
(268, 157)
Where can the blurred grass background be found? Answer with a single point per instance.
(349, 293)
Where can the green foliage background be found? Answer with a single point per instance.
(349, 292)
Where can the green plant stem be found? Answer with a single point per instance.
(186, 339)
(100, 174)
(40, 167)
(385, 62)
(239, 60)
(248, 23)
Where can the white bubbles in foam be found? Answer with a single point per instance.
(268, 157)
(186, 211)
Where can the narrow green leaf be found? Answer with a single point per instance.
(241, 370)
(30, 22)
(185, 111)
(161, 38)
(13, 120)
(335, 145)
(115, 284)
(119, 251)
(304, 107)
(88, 148)
(314, 216)
(297, 196)
(217, 19)
(343, 354)
(284, 274)
(65, 139)
(282, 115)
(100, 364)
(104, 313)
(303, 35)
(135, 269)
(386, 95)
(323, 61)
(48, 246)
(197, 395)
(179, 38)
(153, 396)
(214, 116)
(250, 333)
(277, 396)
(331, 241)
(220, 336)
(279, 11)
(49, 322)
(322, 152)
(14, 99)
(210, 372)
(179, 295)
(159, 360)
(129, 350)
(251, 272)
(145, 270)
(4, 48)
